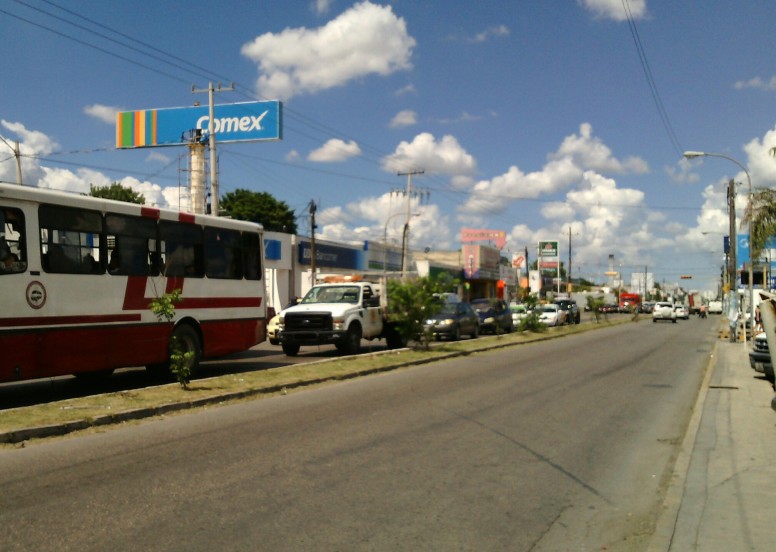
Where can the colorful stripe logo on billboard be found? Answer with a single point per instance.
(240, 122)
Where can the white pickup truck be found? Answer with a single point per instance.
(715, 307)
(339, 313)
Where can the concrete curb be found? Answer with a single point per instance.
(666, 523)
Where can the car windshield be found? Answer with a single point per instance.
(482, 306)
(447, 310)
(547, 308)
(332, 294)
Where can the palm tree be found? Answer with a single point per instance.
(761, 215)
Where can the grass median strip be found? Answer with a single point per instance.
(60, 417)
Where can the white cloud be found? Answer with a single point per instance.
(757, 83)
(444, 157)
(613, 9)
(491, 32)
(404, 118)
(589, 152)
(155, 156)
(321, 7)
(682, 174)
(366, 39)
(408, 89)
(335, 151)
(104, 113)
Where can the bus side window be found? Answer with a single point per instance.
(130, 243)
(251, 246)
(181, 249)
(71, 239)
(13, 257)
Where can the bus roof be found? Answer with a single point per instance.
(71, 199)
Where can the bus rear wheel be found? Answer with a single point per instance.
(184, 339)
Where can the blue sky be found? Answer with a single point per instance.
(528, 117)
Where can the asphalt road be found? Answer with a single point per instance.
(561, 445)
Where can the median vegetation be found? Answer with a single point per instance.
(100, 410)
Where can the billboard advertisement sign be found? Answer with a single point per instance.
(499, 237)
(548, 248)
(238, 122)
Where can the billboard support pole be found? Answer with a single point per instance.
(211, 136)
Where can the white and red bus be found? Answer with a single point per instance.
(78, 274)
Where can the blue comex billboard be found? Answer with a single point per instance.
(237, 122)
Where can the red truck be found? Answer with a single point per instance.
(629, 301)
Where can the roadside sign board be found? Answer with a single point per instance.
(548, 248)
(237, 122)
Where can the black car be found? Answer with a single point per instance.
(495, 316)
(573, 315)
(454, 320)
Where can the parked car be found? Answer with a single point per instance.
(494, 315)
(682, 312)
(760, 357)
(573, 315)
(519, 312)
(551, 314)
(647, 307)
(454, 320)
(609, 308)
(715, 307)
(664, 311)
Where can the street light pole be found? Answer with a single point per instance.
(17, 154)
(694, 154)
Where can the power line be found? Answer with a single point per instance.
(666, 121)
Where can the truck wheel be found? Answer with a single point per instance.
(291, 349)
(394, 340)
(352, 343)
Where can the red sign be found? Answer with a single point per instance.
(517, 261)
(497, 236)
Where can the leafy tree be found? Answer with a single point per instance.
(118, 192)
(761, 215)
(412, 302)
(180, 361)
(260, 207)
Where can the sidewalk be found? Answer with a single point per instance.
(723, 494)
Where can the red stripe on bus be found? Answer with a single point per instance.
(73, 319)
(135, 299)
(149, 212)
(186, 217)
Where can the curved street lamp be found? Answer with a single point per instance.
(17, 154)
(694, 154)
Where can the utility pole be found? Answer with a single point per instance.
(313, 208)
(406, 238)
(732, 261)
(214, 197)
(568, 274)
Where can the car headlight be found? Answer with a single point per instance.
(489, 320)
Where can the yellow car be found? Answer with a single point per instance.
(272, 330)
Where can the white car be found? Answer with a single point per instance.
(551, 314)
(519, 311)
(682, 312)
(664, 311)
